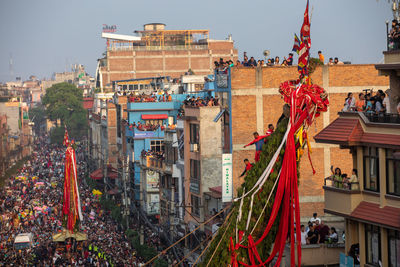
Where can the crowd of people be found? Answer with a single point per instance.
(153, 153)
(150, 98)
(201, 102)
(222, 65)
(370, 103)
(318, 232)
(145, 126)
(31, 202)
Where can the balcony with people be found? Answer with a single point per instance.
(379, 107)
(153, 160)
(342, 191)
(143, 130)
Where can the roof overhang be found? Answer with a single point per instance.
(120, 37)
(354, 129)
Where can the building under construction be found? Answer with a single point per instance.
(156, 51)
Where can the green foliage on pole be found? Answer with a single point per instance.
(222, 255)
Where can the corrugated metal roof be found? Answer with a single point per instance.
(370, 212)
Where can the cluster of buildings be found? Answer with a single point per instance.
(17, 98)
(172, 171)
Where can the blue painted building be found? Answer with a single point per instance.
(161, 113)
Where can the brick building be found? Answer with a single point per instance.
(156, 51)
(256, 102)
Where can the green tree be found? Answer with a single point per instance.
(38, 116)
(64, 102)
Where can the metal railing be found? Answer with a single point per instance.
(158, 48)
(344, 185)
(383, 117)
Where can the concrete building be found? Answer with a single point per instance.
(4, 144)
(372, 207)
(203, 165)
(101, 122)
(149, 113)
(17, 131)
(256, 102)
(157, 51)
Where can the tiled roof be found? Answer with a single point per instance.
(370, 212)
(344, 131)
(338, 132)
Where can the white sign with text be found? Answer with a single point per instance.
(227, 183)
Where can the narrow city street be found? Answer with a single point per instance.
(31, 203)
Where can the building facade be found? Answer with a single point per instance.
(156, 51)
(203, 165)
(371, 207)
(256, 102)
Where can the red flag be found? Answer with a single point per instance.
(66, 139)
(305, 28)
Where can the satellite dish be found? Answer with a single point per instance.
(266, 53)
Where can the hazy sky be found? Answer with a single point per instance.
(44, 35)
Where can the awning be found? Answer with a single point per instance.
(154, 116)
(215, 192)
(112, 173)
(372, 213)
(113, 191)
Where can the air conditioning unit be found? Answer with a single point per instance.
(194, 147)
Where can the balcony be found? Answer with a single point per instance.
(341, 201)
(317, 255)
(137, 134)
(153, 163)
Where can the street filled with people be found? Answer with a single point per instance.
(31, 203)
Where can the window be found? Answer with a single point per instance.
(195, 205)
(371, 169)
(171, 154)
(373, 244)
(195, 176)
(194, 133)
(394, 248)
(393, 171)
(119, 131)
(157, 145)
(194, 169)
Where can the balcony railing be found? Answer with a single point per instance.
(345, 185)
(153, 162)
(158, 48)
(383, 117)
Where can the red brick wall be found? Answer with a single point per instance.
(247, 88)
(150, 63)
(243, 123)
